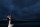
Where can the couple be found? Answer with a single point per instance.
(9, 24)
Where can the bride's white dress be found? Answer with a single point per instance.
(10, 25)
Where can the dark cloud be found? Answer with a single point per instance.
(21, 9)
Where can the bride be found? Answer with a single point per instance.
(9, 24)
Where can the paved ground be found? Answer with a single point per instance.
(21, 24)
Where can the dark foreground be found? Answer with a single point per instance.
(21, 23)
